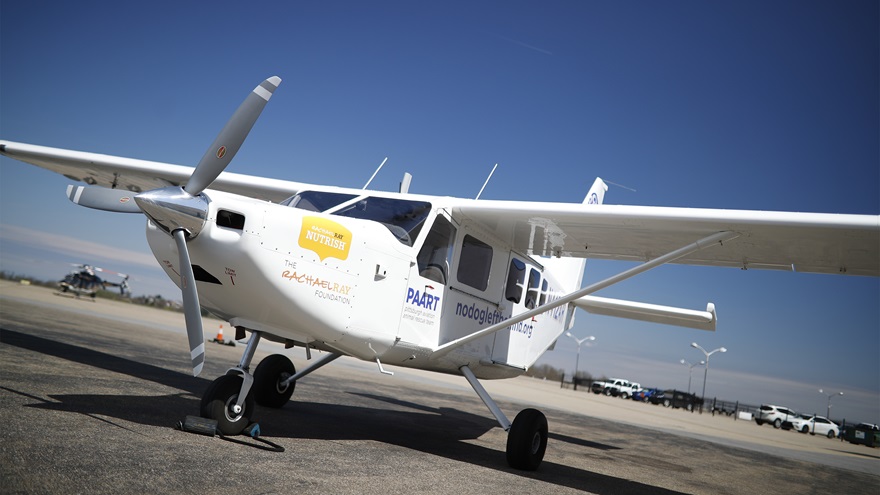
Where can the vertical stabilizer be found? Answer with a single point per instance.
(597, 193)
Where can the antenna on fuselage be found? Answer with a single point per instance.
(487, 181)
(376, 172)
(404, 184)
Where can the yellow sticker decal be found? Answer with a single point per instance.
(325, 237)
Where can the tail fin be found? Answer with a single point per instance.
(597, 193)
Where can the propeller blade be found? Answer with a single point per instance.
(231, 137)
(101, 198)
(191, 309)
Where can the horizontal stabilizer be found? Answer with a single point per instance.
(101, 198)
(701, 320)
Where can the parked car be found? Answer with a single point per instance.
(816, 425)
(774, 415)
(677, 399)
(645, 394)
(618, 387)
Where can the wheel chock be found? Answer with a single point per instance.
(197, 424)
(252, 430)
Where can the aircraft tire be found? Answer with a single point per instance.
(266, 389)
(217, 404)
(527, 440)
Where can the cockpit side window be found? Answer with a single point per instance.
(474, 263)
(434, 257)
(403, 218)
(317, 200)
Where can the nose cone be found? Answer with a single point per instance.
(172, 208)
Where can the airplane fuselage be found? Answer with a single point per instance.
(342, 282)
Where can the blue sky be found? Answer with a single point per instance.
(741, 105)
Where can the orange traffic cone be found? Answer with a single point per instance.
(219, 335)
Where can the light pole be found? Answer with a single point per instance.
(578, 359)
(690, 369)
(706, 370)
(828, 413)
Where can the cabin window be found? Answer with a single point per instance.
(534, 283)
(316, 200)
(516, 278)
(543, 293)
(402, 217)
(474, 263)
(433, 258)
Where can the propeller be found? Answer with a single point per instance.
(191, 308)
(230, 139)
(101, 198)
(183, 211)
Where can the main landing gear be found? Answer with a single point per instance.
(230, 400)
(526, 436)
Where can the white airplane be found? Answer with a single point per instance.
(466, 287)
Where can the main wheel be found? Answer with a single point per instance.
(267, 381)
(219, 401)
(527, 440)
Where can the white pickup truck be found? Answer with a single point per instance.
(617, 387)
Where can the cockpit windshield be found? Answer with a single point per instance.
(317, 200)
(402, 217)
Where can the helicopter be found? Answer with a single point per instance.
(84, 281)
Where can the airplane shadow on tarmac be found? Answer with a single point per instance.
(437, 431)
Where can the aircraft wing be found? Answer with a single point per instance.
(804, 242)
(140, 175)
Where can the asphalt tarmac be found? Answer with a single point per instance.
(91, 393)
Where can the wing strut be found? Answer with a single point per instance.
(718, 237)
(487, 399)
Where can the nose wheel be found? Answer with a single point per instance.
(220, 403)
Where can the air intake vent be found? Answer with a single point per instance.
(230, 220)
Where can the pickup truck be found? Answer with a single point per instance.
(617, 387)
(677, 399)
